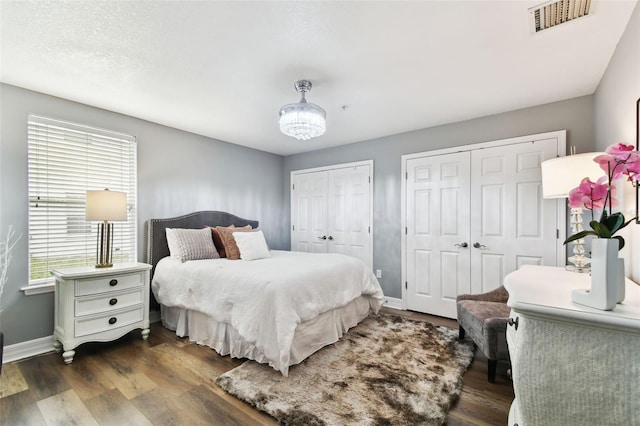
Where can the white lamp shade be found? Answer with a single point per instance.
(106, 205)
(560, 175)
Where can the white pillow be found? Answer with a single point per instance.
(191, 244)
(252, 245)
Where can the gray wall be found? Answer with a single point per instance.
(574, 115)
(178, 172)
(615, 121)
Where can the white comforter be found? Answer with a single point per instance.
(266, 299)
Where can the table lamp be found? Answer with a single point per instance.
(559, 176)
(105, 206)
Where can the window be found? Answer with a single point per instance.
(65, 160)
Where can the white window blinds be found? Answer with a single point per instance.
(65, 160)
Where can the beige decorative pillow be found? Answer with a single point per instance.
(229, 243)
(190, 244)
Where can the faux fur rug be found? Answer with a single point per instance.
(386, 370)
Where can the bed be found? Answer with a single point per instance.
(278, 310)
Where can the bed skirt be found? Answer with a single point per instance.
(310, 336)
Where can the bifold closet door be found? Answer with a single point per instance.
(438, 262)
(511, 224)
(309, 212)
(348, 213)
(473, 217)
(331, 211)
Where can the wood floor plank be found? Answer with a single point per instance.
(11, 380)
(121, 373)
(111, 408)
(20, 409)
(65, 408)
(203, 402)
(43, 377)
(162, 409)
(87, 380)
(173, 378)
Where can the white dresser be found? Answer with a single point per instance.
(99, 304)
(571, 364)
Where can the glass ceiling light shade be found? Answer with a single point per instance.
(303, 120)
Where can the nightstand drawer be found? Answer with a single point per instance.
(109, 302)
(109, 283)
(93, 325)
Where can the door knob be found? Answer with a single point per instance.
(324, 237)
(463, 245)
(478, 245)
(330, 237)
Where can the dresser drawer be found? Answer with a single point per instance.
(108, 302)
(109, 321)
(97, 285)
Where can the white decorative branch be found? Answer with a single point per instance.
(6, 254)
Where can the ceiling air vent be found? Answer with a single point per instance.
(552, 13)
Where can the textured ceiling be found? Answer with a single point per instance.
(224, 69)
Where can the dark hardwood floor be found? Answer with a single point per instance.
(170, 381)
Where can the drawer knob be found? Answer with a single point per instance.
(113, 301)
(513, 323)
(113, 320)
(113, 283)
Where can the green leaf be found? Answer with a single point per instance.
(620, 242)
(601, 230)
(579, 235)
(613, 222)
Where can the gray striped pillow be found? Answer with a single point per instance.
(191, 244)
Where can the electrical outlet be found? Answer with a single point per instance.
(378, 273)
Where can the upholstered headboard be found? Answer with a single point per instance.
(157, 247)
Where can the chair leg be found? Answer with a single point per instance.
(491, 367)
(460, 333)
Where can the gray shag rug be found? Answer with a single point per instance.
(388, 370)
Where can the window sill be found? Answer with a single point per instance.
(30, 290)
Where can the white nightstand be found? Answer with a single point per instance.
(99, 304)
(571, 364)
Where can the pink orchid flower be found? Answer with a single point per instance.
(590, 195)
(620, 150)
(620, 159)
(610, 165)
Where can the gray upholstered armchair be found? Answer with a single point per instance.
(484, 318)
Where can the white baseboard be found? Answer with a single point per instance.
(27, 349)
(393, 303)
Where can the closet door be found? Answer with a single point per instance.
(511, 225)
(437, 243)
(309, 212)
(473, 217)
(348, 216)
(331, 210)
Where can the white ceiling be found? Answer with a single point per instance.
(224, 69)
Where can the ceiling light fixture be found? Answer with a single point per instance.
(303, 120)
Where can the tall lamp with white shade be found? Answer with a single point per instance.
(559, 176)
(105, 206)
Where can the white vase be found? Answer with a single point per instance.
(607, 277)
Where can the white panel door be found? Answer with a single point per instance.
(437, 243)
(348, 212)
(308, 212)
(511, 224)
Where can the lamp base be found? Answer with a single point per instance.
(104, 245)
(578, 269)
